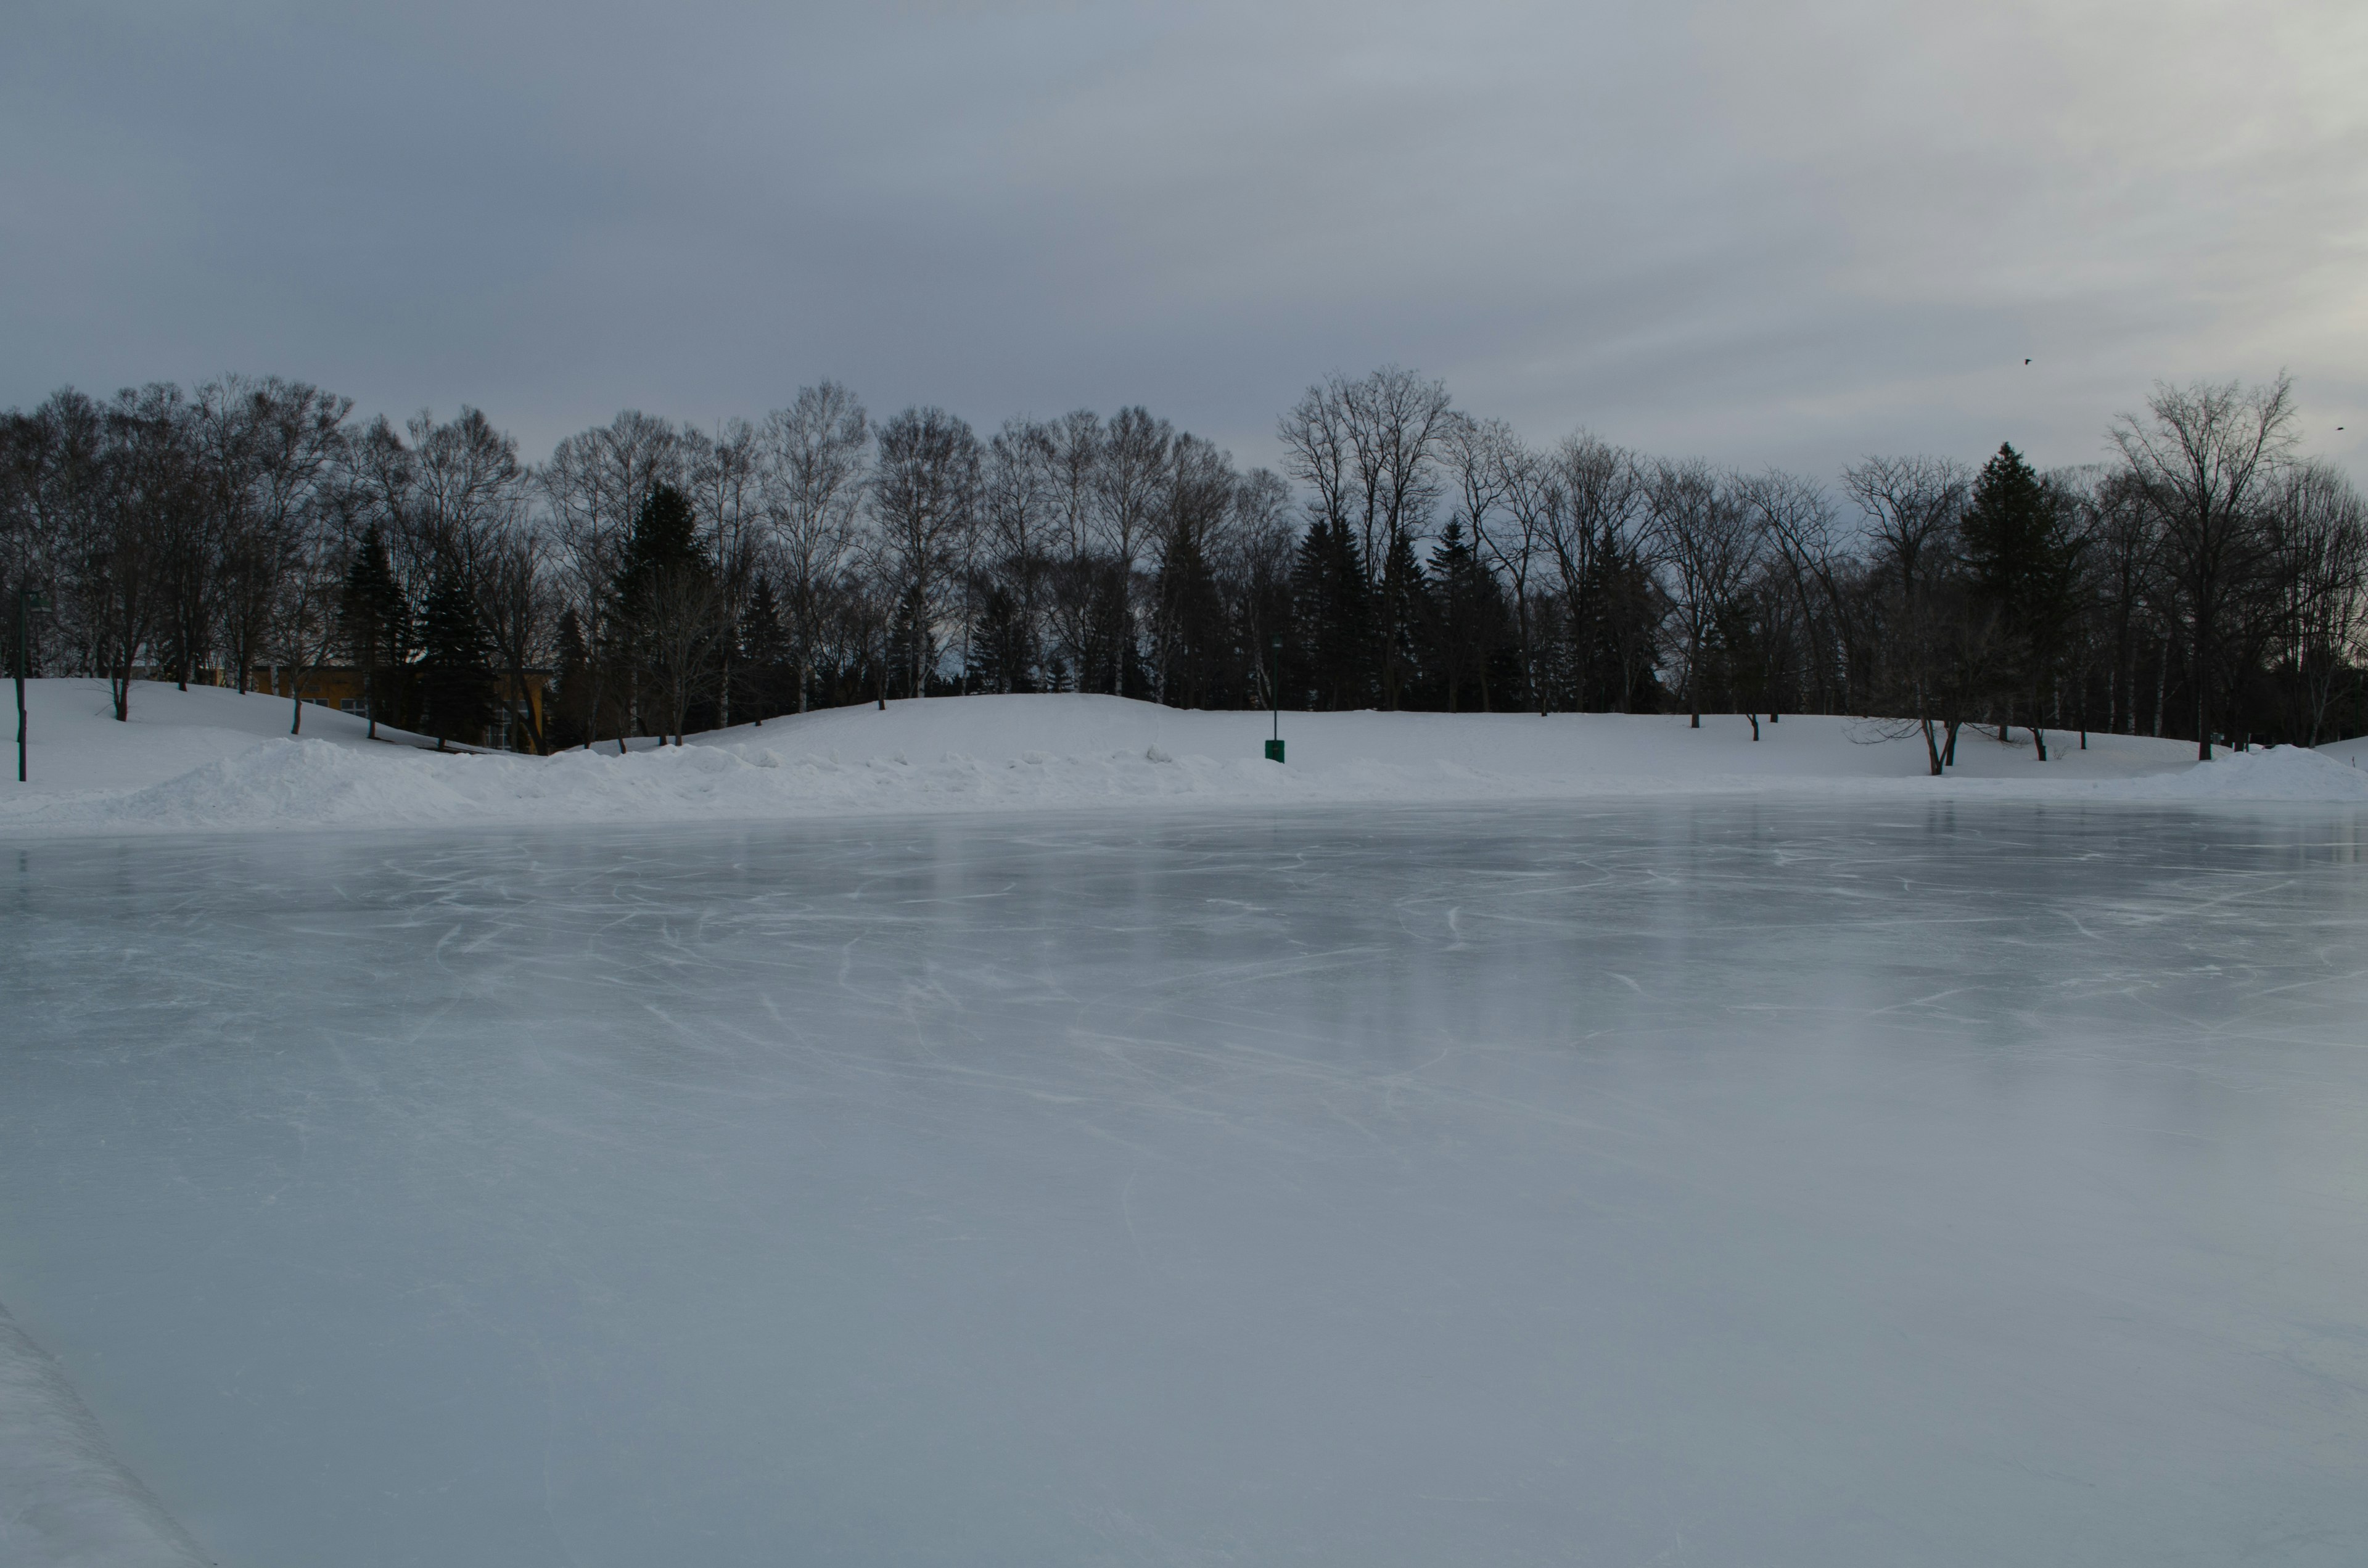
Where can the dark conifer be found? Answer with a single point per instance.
(1467, 627)
(375, 622)
(2022, 562)
(569, 712)
(665, 537)
(455, 667)
(1406, 608)
(1332, 605)
(762, 669)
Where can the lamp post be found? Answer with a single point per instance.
(1274, 690)
(29, 600)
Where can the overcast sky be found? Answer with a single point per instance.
(1761, 233)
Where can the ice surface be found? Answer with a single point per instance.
(1703, 1182)
(65, 1500)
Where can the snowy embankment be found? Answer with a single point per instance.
(65, 1500)
(211, 759)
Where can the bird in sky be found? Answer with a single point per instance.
(2026, 361)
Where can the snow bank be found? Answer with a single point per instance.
(213, 760)
(2276, 773)
(65, 1500)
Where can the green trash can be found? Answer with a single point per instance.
(1274, 751)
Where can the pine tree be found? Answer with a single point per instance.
(1467, 626)
(456, 667)
(670, 609)
(570, 703)
(665, 538)
(1332, 605)
(764, 649)
(376, 625)
(2022, 562)
(1192, 637)
(1406, 608)
(998, 650)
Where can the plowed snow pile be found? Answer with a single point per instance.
(211, 760)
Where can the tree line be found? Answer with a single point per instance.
(658, 579)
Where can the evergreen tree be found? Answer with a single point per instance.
(1621, 632)
(665, 538)
(999, 658)
(764, 658)
(1332, 605)
(1467, 624)
(456, 666)
(670, 610)
(2023, 568)
(568, 718)
(1193, 639)
(375, 622)
(1405, 609)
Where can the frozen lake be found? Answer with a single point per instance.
(1708, 1183)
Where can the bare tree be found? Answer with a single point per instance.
(723, 476)
(517, 604)
(1132, 480)
(276, 451)
(1076, 574)
(1912, 508)
(682, 621)
(1795, 524)
(594, 485)
(1017, 505)
(2323, 535)
(1254, 562)
(1520, 541)
(309, 544)
(2208, 457)
(1590, 511)
(811, 455)
(924, 495)
(1703, 536)
(1370, 450)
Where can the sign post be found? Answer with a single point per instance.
(1274, 689)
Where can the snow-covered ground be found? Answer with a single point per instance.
(1731, 1180)
(211, 759)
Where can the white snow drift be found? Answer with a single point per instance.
(212, 759)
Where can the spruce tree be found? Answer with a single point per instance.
(1191, 633)
(1406, 608)
(2022, 562)
(764, 649)
(665, 538)
(1467, 622)
(570, 703)
(668, 605)
(1332, 605)
(374, 621)
(456, 667)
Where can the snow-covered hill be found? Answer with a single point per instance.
(211, 760)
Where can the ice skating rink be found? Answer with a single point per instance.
(1710, 1182)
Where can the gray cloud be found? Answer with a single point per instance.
(1764, 233)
